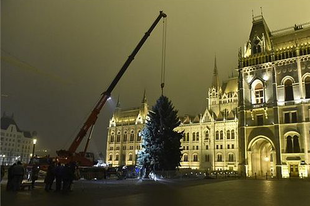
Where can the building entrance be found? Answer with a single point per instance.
(294, 172)
(261, 158)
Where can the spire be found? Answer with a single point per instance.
(118, 104)
(144, 97)
(215, 80)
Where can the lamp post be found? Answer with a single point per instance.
(34, 141)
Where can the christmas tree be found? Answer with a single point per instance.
(161, 146)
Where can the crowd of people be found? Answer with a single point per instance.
(63, 174)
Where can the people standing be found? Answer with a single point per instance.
(2, 172)
(59, 170)
(50, 176)
(34, 174)
(66, 178)
(9, 185)
(18, 172)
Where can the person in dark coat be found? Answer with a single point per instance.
(67, 177)
(59, 170)
(18, 172)
(50, 176)
(2, 172)
(9, 185)
(34, 174)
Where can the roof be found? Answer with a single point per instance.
(7, 121)
(231, 85)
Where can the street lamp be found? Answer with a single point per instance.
(34, 141)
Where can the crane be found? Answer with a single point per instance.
(70, 154)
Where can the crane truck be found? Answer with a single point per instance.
(85, 159)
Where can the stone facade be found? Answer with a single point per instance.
(274, 101)
(256, 123)
(16, 145)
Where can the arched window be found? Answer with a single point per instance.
(307, 87)
(116, 157)
(132, 136)
(194, 136)
(125, 136)
(217, 135)
(110, 157)
(230, 157)
(259, 93)
(289, 146)
(130, 157)
(139, 136)
(219, 158)
(228, 134)
(207, 134)
(187, 137)
(288, 90)
(185, 158)
(232, 134)
(296, 144)
(112, 137)
(221, 135)
(195, 158)
(118, 137)
(256, 47)
(197, 136)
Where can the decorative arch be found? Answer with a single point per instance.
(219, 157)
(195, 157)
(185, 157)
(257, 138)
(306, 81)
(284, 79)
(292, 142)
(257, 91)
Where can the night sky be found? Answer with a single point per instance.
(58, 56)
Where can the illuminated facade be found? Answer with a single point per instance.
(16, 145)
(124, 140)
(256, 123)
(274, 101)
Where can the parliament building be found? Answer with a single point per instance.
(256, 122)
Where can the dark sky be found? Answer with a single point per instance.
(58, 56)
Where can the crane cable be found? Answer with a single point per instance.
(163, 57)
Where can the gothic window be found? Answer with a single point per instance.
(194, 134)
(195, 158)
(207, 134)
(110, 157)
(221, 135)
(118, 137)
(184, 137)
(230, 157)
(116, 157)
(132, 136)
(185, 158)
(139, 136)
(217, 135)
(259, 93)
(290, 117)
(207, 147)
(228, 146)
(296, 144)
(288, 90)
(197, 147)
(232, 134)
(228, 134)
(197, 136)
(256, 47)
(307, 87)
(187, 139)
(289, 145)
(112, 137)
(130, 157)
(219, 158)
(125, 137)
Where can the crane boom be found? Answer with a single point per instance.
(91, 120)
